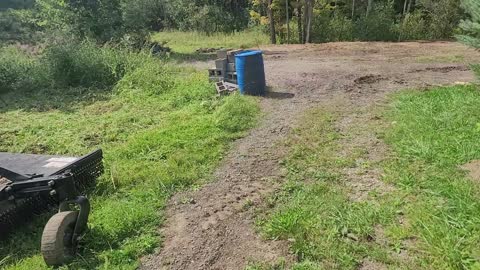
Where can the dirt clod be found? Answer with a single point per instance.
(368, 79)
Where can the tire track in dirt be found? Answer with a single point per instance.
(213, 228)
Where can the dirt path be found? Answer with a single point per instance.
(213, 227)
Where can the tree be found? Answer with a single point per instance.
(308, 19)
(471, 27)
(273, 35)
(297, 5)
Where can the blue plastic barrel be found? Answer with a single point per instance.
(250, 73)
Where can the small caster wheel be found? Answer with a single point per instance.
(57, 245)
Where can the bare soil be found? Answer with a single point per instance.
(473, 169)
(213, 227)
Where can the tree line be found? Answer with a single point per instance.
(286, 21)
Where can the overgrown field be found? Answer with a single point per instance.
(429, 220)
(162, 128)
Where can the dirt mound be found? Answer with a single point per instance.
(369, 79)
(447, 69)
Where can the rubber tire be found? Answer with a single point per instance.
(56, 248)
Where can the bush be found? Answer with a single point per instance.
(19, 71)
(341, 29)
(207, 16)
(379, 25)
(85, 64)
(328, 29)
(413, 27)
(443, 17)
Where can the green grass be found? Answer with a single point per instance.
(162, 128)
(313, 212)
(433, 215)
(189, 42)
(432, 134)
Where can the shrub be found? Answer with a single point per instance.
(443, 17)
(378, 25)
(19, 71)
(329, 29)
(413, 27)
(85, 64)
(341, 29)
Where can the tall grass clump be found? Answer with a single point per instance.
(19, 71)
(85, 64)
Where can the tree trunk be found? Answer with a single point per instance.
(300, 25)
(409, 6)
(308, 19)
(353, 9)
(288, 21)
(405, 7)
(369, 6)
(273, 36)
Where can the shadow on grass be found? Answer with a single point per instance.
(24, 242)
(66, 100)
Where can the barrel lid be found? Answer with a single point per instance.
(248, 53)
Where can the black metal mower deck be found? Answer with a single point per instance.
(32, 184)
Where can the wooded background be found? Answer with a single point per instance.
(309, 20)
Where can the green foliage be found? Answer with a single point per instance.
(161, 128)
(327, 29)
(207, 16)
(471, 27)
(16, 4)
(442, 16)
(413, 27)
(85, 64)
(19, 71)
(103, 21)
(379, 24)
